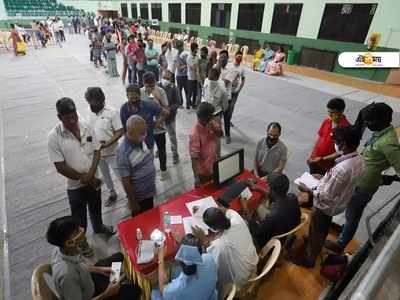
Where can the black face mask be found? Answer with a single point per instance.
(271, 142)
(96, 108)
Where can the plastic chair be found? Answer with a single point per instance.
(304, 220)
(229, 291)
(40, 289)
(252, 283)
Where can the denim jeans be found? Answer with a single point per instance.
(162, 152)
(354, 210)
(171, 129)
(105, 164)
(193, 89)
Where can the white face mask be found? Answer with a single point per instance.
(165, 82)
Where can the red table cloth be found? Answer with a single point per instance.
(153, 218)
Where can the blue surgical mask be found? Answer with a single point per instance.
(142, 137)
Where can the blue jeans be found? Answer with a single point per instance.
(354, 210)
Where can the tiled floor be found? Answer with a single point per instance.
(36, 194)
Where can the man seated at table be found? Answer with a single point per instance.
(271, 152)
(203, 143)
(195, 278)
(284, 215)
(229, 242)
(136, 166)
(72, 277)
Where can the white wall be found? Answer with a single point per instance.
(386, 19)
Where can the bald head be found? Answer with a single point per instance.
(136, 129)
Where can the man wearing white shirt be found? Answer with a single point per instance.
(231, 245)
(170, 56)
(75, 152)
(107, 124)
(228, 76)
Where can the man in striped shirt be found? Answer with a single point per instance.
(136, 166)
(333, 191)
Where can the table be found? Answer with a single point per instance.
(153, 218)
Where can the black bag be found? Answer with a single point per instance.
(333, 267)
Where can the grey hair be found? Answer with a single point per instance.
(133, 121)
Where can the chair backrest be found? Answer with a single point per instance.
(275, 246)
(304, 219)
(40, 289)
(229, 291)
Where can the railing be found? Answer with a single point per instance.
(32, 40)
(382, 277)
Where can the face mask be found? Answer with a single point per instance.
(271, 142)
(77, 240)
(223, 61)
(142, 137)
(335, 118)
(165, 82)
(96, 108)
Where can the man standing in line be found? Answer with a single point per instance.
(333, 192)
(152, 59)
(323, 155)
(181, 72)
(107, 124)
(381, 152)
(173, 103)
(136, 166)
(202, 70)
(203, 143)
(75, 152)
(228, 75)
(192, 62)
(237, 83)
(154, 94)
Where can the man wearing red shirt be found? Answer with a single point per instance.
(323, 155)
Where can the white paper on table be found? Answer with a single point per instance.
(308, 180)
(202, 204)
(190, 222)
(176, 220)
(145, 252)
(246, 194)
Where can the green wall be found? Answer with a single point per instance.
(297, 44)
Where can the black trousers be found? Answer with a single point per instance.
(101, 282)
(182, 83)
(193, 88)
(62, 34)
(83, 198)
(229, 112)
(162, 150)
(319, 228)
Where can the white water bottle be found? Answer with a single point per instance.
(167, 222)
(139, 234)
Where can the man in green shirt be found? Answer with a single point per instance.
(381, 152)
(152, 59)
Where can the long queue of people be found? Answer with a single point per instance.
(123, 141)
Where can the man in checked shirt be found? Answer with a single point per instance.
(333, 192)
